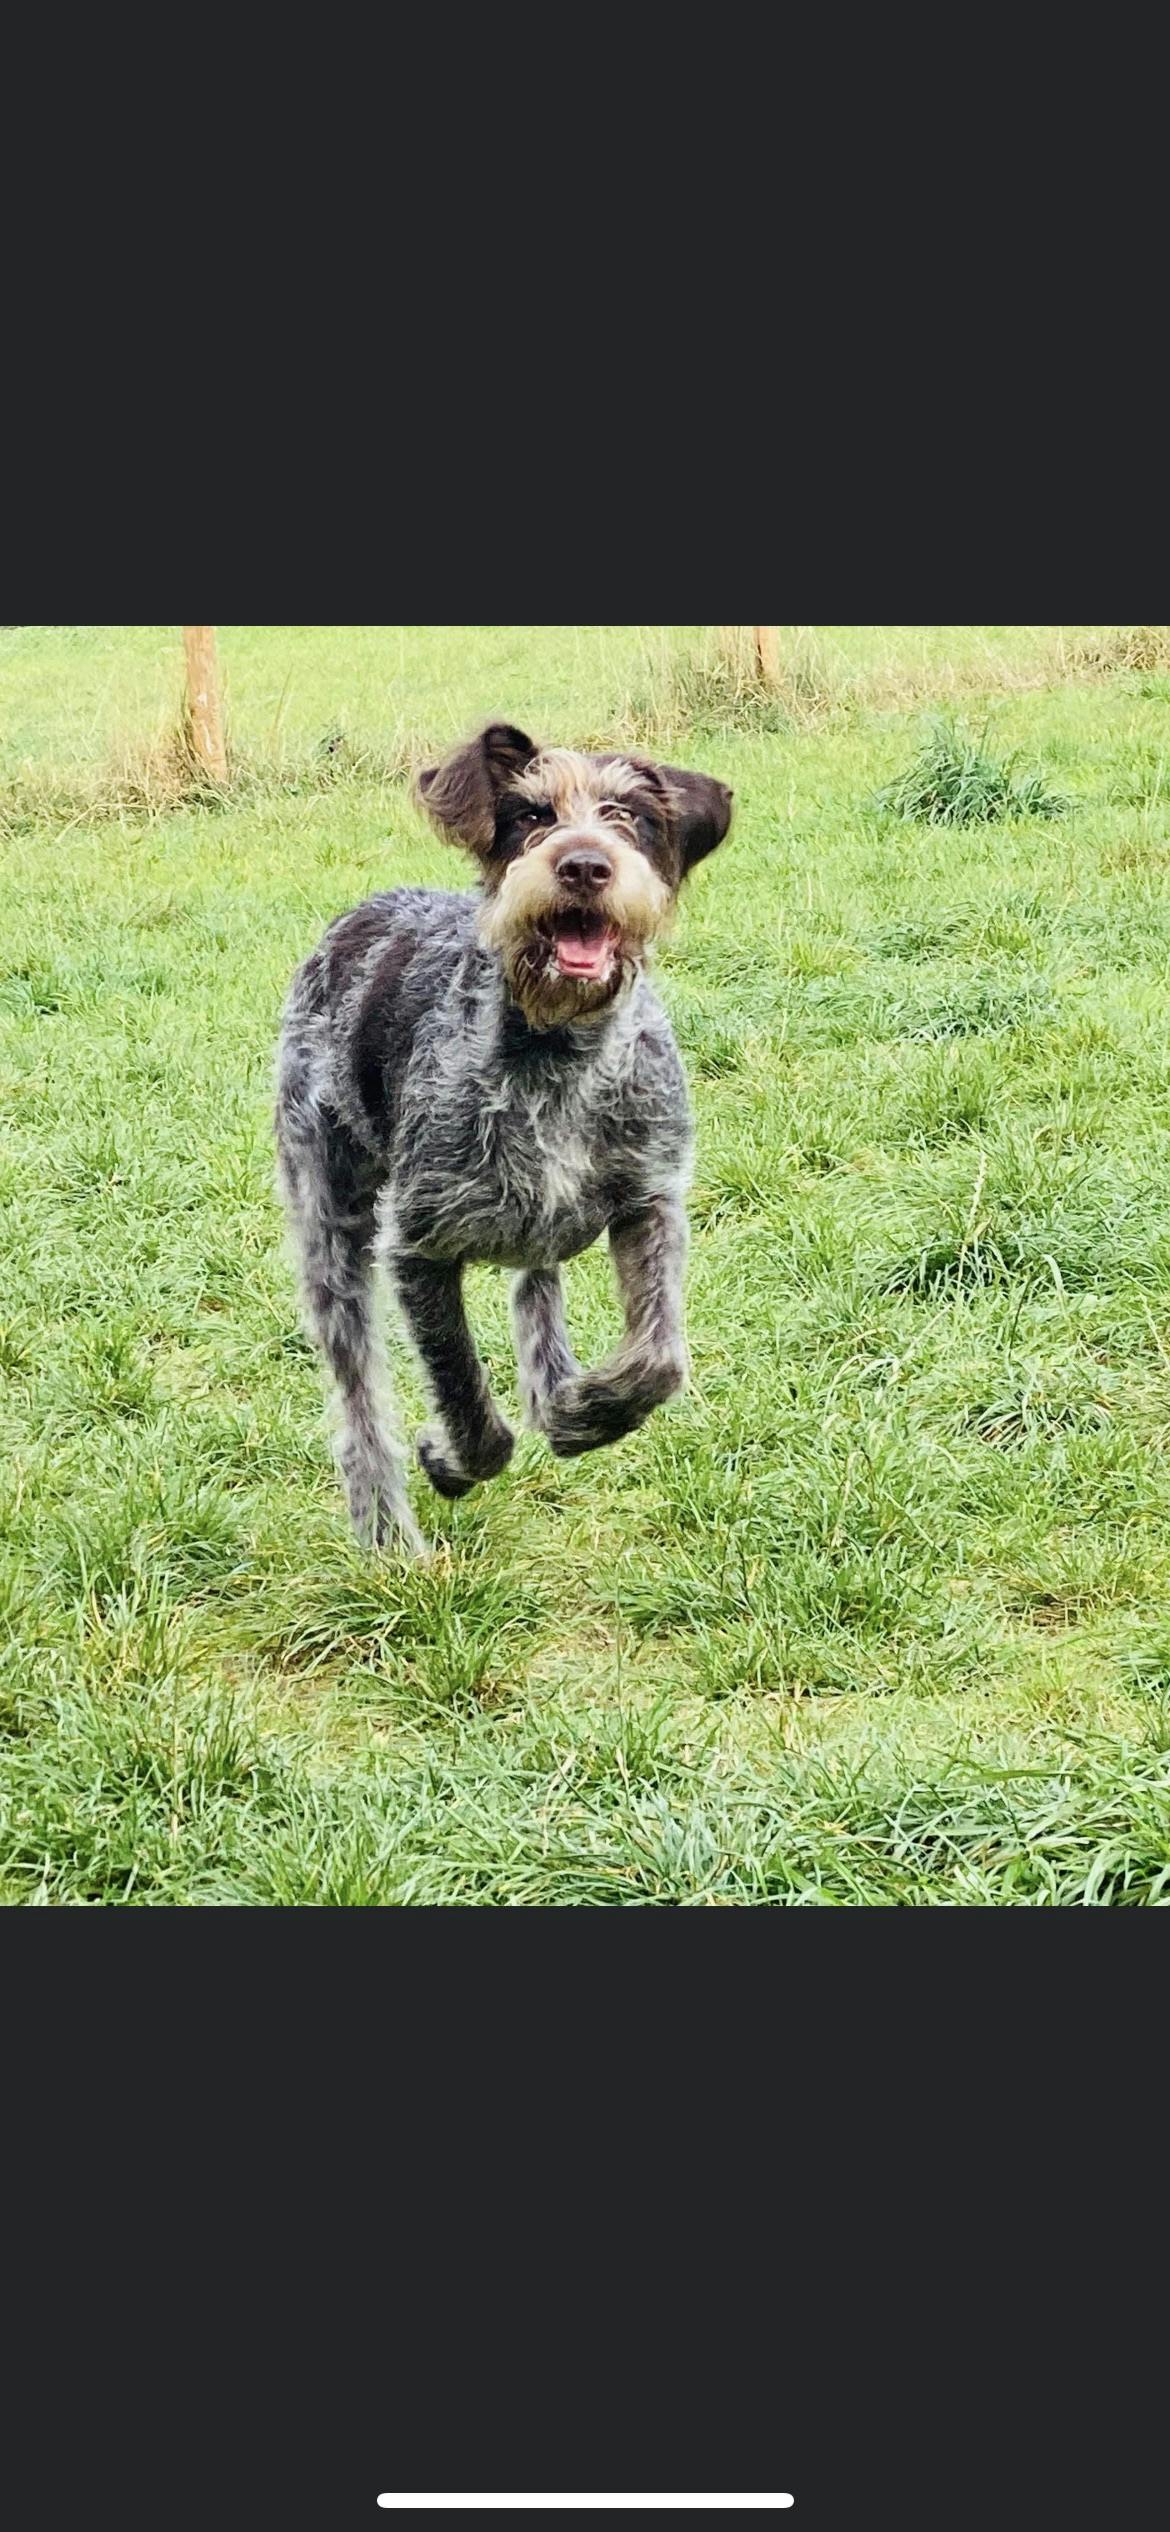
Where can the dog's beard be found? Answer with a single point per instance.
(551, 994)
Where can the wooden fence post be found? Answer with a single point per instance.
(767, 642)
(204, 708)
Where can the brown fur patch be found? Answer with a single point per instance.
(549, 1000)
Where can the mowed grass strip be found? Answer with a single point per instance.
(878, 1612)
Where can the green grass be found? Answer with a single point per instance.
(880, 1612)
(956, 780)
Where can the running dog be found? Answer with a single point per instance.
(490, 1076)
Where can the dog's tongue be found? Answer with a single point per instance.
(584, 942)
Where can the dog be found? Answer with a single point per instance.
(490, 1077)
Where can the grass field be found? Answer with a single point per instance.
(880, 1611)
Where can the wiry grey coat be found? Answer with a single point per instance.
(421, 1120)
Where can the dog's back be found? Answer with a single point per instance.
(356, 1001)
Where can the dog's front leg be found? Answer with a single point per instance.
(470, 1440)
(543, 1353)
(649, 1252)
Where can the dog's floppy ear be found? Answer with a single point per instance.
(462, 793)
(702, 809)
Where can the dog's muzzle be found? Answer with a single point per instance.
(584, 940)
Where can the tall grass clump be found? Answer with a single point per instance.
(149, 779)
(957, 781)
(717, 685)
(1141, 650)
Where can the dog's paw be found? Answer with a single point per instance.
(448, 1474)
(585, 1414)
(400, 1536)
(385, 1521)
(438, 1464)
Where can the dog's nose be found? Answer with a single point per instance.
(584, 867)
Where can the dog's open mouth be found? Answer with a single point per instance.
(584, 943)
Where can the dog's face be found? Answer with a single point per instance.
(582, 858)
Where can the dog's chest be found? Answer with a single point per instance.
(515, 1171)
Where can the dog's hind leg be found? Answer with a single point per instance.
(470, 1441)
(329, 1190)
(543, 1352)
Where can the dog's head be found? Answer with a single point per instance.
(582, 858)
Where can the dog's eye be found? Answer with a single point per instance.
(644, 823)
(539, 813)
